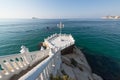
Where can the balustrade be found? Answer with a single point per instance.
(14, 64)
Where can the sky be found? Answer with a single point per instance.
(58, 8)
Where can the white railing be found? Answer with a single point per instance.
(14, 64)
(43, 70)
(52, 37)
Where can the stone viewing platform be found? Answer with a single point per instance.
(36, 65)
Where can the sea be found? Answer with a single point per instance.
(98, 39)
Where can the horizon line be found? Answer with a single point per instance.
(52, 18)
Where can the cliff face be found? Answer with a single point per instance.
(76, 67)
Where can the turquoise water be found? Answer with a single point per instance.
(99, 39)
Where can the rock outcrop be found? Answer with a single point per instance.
(76, 67)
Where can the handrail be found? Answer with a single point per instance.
(45, 68)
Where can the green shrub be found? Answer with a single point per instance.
(64, 77)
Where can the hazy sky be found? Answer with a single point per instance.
(58, 8)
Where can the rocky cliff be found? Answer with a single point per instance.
(75, 66)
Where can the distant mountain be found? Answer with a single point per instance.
(34, 18)
(111, 17)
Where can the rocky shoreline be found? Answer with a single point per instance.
(75, 65)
